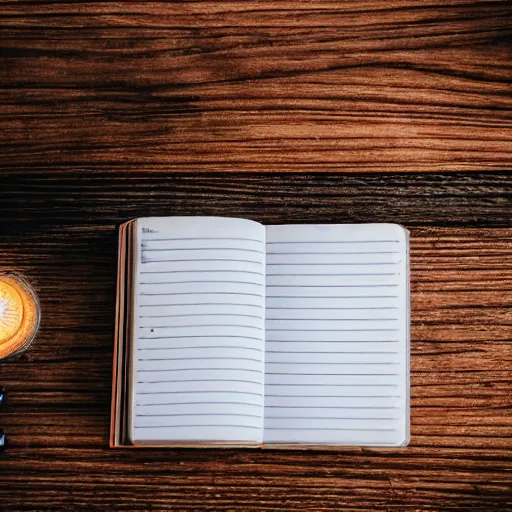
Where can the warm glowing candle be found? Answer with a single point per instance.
(19, 315)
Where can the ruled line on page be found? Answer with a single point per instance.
(202, 304)
(333, 341)
(314, 242)
(165, 404)
(332, 385)
(208, 347)
(317, 264)
(305, 308)
(198, 293)
(328, 396)
(199, 325)
(199, 414)
(197, 380)
(198, 271)
(331, 253)
(328, 374)
(196, 336)
(326, 353)
(201, 392)
(335, 428)
(332, 330)
(337, 275)
(231, 260)
(145, 240)
(327, 407)
(331, 319)
(320, 418)
(217, 425)
(199, 359)
(332, 286)
(325, 362)
(167, 249)
(198, 369)
(331, 297)
(200, 314)
(202, 281)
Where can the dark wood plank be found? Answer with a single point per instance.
(262, 86)
(58, 198)
(59, 230)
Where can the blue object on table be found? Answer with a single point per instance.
(3, 437)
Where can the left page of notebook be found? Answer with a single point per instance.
(199, 328)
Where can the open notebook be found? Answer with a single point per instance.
(231, 333)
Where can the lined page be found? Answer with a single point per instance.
(336, 335)
(199, 344)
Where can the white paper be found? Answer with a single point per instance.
(336, 335)
(199, 330)
(328, 364)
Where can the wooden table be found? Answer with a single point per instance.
(115, 110)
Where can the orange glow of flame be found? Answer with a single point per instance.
(19, 315)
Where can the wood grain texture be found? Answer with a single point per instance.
(268, 86)
(59, 230)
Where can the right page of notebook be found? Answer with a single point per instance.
(337, 335)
